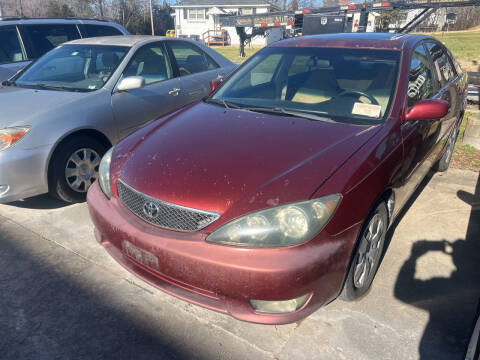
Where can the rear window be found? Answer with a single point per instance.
(99, 30)
(44, 38)
(10, 47)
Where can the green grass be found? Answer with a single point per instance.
(231, 52)
(464, 45)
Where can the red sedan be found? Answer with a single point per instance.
(272, 196)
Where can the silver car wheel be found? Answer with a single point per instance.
(368, 252)
(81, 169)
(451, 145)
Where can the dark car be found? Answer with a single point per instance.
(272, 196)
(23, 40)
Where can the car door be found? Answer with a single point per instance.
(161, 94)
(446, 77)
(195, 67)
(419, 137)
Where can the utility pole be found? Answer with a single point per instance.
(151, 17)
(0, 8)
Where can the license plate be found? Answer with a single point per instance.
(141, 256)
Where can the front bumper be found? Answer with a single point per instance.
(224, 278)
(23, 172)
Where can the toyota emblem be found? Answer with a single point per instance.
(150, 209)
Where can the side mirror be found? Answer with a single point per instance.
(131, 83)
(430, 109)
(215, 84)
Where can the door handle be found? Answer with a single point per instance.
(174, 91)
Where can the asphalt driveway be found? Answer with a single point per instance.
(62, 296)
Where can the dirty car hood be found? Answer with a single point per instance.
(208, 157)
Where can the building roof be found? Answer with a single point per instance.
(222, 3)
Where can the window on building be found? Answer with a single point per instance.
(247, 11)
(196, 14)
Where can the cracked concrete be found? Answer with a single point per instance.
(62, 296)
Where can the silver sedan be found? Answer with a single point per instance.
(61, 114)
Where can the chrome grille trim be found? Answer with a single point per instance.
(170, 216)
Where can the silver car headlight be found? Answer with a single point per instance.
(9, 136)
(104, 173)
(280, 226)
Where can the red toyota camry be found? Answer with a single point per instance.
(272, 196)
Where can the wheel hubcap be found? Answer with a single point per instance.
(451, 144)
(369, 251)
(82, 169)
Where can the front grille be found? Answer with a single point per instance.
(163, 214)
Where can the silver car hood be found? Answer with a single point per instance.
(22, 106)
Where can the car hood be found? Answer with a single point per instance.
(216, 159)
(22, 106)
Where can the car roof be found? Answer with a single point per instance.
(117, 40)
(387, 41)
(25, 20)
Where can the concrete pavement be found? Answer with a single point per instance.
(62, 296)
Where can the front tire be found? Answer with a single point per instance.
(367, 257)
(74, 167)
(444, 161)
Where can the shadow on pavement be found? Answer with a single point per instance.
(450, 301)
(44, 315)
(39, 202)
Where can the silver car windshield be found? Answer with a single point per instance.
(73, 68)
(325, 84)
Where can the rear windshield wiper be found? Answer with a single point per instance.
(282, 111)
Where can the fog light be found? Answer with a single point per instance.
(279, 307)
(3, 189)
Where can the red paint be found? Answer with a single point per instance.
(427, 110)
(234, 162)
(215, 84)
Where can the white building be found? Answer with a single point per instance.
(193, 18)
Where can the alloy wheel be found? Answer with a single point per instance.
(369, 251)
(81, 169)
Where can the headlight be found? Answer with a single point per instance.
(104, 173)
(279, 226)
(10, 136)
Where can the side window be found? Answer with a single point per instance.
(190, 58)
(46, 37)
(260, 74)
(89, 30)
(455, 63)
(151, 62)
(10, 48)
(443, 67)
(420, 78)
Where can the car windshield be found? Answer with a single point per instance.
(331, 84)
(73, 68)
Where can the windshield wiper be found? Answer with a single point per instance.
(8, 83)
(227, 105)
(53, 87)
(282, 111)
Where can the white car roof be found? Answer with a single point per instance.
(120, 40)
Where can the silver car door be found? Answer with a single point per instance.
(195, 67)
(161, 94)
